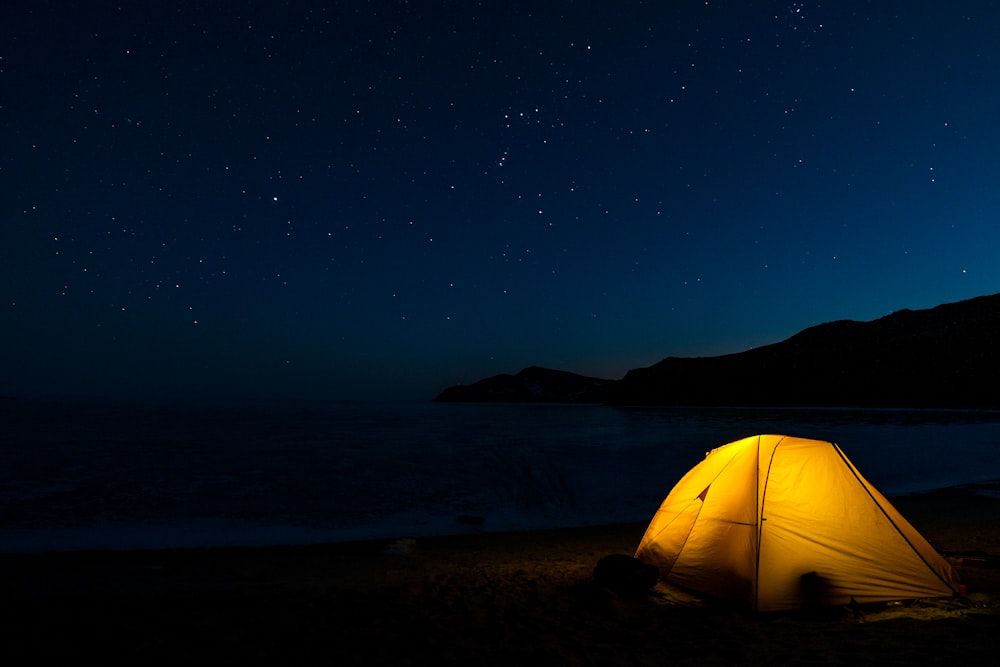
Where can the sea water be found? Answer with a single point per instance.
(87, 475)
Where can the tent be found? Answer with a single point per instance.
(773, 522)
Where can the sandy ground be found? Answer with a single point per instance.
(489, 599)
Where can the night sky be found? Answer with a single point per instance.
(380, 199)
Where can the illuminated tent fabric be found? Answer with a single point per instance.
(773, 522)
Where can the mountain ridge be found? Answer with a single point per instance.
(947, 356)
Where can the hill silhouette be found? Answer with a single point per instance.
(532, 385)
(946, 356)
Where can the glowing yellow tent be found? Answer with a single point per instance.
(773, 522)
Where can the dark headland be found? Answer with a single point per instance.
(942, 357)
(532, 385)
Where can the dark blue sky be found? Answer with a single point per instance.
(377, 200)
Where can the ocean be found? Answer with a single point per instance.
(90, 475)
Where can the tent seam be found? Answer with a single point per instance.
(760, 516)
(895, 526)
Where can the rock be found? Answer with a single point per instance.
(625, 576)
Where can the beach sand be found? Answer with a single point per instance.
(486, 599)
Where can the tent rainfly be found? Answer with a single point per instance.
(773, 523)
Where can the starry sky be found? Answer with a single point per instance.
(376, 200)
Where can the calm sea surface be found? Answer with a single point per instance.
(99, 475)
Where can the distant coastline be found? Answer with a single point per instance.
(941, 357)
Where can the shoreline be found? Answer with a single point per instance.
(488, 598)
(234, 535)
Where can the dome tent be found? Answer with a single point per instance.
(773, 522)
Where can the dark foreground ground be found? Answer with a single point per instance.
(482, 599)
